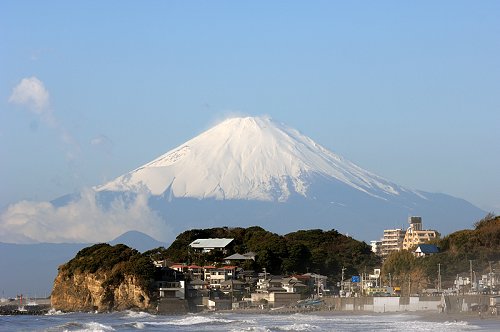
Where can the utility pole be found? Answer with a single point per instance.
(490, 279)
(470, 263)
(232, 293)
(409, 285)
(439, 277)
(342, 281)
(317, 285)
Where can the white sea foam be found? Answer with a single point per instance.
(86, 322)
(95, 327)
(139, 325)
(197, 320)
(251, 329)
(53, 312)
(137, 314)
(297, 327)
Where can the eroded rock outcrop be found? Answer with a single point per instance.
(89, 292)
(103, 278)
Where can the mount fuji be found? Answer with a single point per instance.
(255, 171)
(243, 172)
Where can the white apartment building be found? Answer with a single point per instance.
(392, 241)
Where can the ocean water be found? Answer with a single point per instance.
(134, 321)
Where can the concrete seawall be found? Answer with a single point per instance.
(448, 304)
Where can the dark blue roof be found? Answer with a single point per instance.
(428, 248)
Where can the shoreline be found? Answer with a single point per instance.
(430, 315)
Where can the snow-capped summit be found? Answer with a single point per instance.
(251, 158)
(255, 171)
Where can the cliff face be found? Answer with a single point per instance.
(91, 291)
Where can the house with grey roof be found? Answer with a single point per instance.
(207, 245)
(239, 257)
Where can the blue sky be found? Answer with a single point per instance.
(407, 90)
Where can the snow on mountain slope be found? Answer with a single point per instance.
(251, 158)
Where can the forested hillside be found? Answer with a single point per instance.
(317, 251)
(478, 248)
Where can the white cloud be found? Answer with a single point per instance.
(31, 93)
(81, 221)
(225, 115)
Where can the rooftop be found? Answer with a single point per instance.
(210, 243)
(427, 249)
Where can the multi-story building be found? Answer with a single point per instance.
(415, 235)
(376, 247)
(215, 276)
(392, 241)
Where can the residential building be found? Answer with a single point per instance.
(216, 276)
(239, 257)
(207, 245)
(415, 235)
(376, 247)
(293, 285)
(426, 250)
(268, 283)
(233, 287)
(207, 271)
(193, 271)
(317, 282)
(198, 284)
(392, 241)
(170, 283)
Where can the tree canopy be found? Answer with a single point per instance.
(116, 261)
(317, 251)
(479, 246)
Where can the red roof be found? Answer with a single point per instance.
(194, 267)
(209, 267)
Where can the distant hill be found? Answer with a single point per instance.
(138, 241)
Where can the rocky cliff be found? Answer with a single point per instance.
(90, 292)
(103, 278)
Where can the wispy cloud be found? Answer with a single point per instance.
(32, 94)
(225, 115)
(81, 221)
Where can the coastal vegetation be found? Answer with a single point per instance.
(104, 277)
(116, 261)
(475, 251)
(316, 251)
